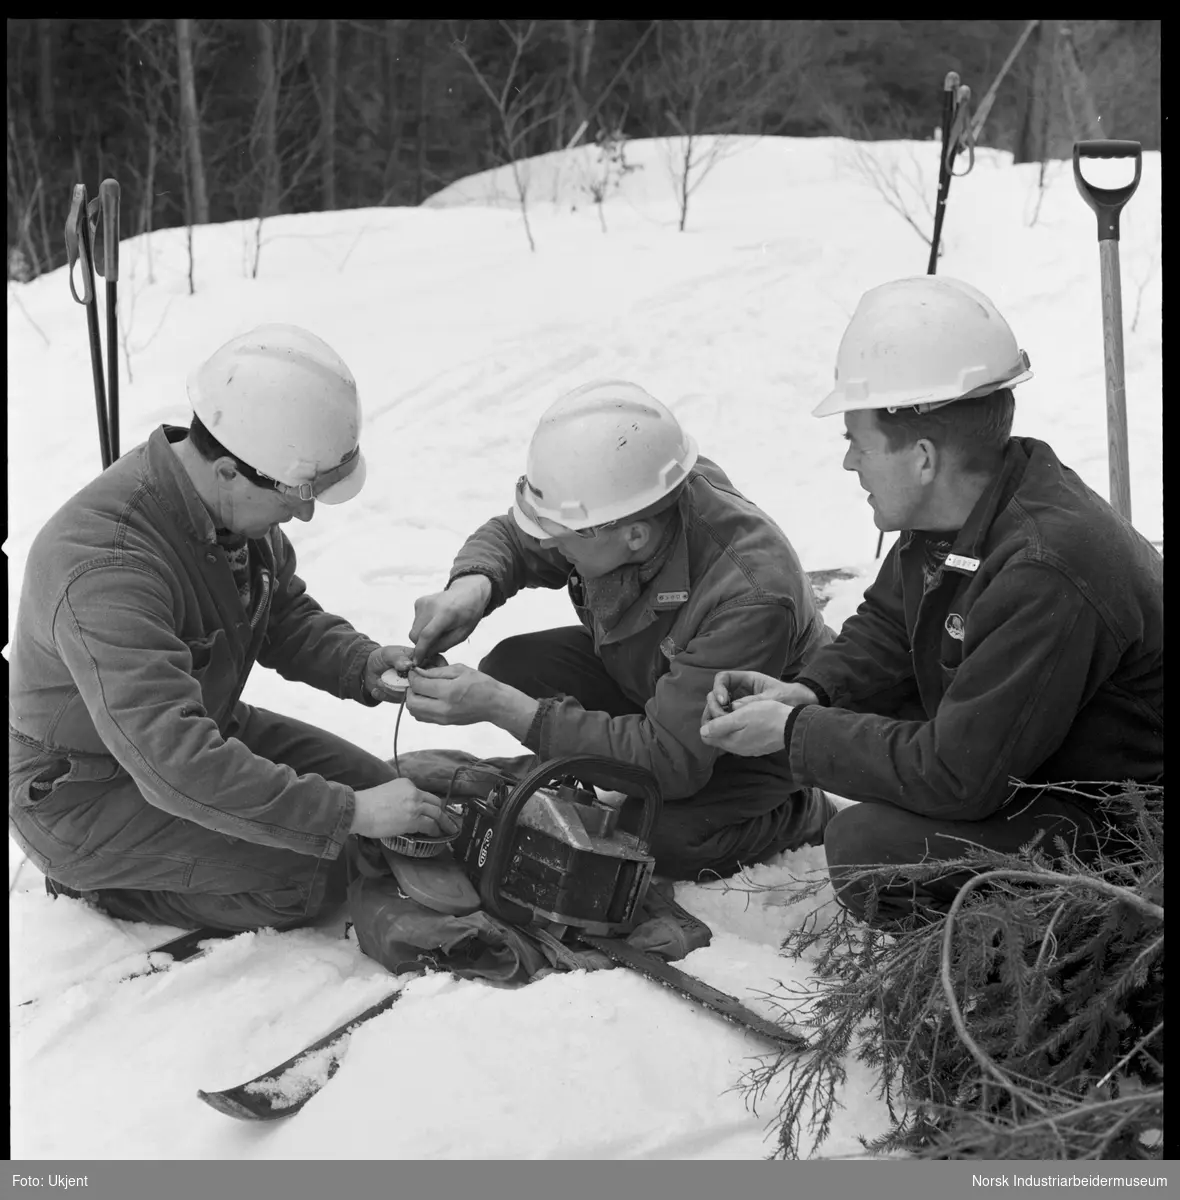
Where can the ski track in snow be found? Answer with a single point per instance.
(460, 338)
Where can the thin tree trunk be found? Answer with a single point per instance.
(419, 181)
(328, 115)
(1086, 123)
(46, 108)
(190, 123)
(684, 174)
(1046, 97)
(1025, 149)
(268, 104)
(393, 131)
(149, 193)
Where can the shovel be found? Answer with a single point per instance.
(1107, 204)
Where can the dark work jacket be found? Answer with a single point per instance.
(1038, 657)
(732, 595)
(130, 651)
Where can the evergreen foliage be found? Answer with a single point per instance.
(1026, 1023)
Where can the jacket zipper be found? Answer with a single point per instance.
(263, 599)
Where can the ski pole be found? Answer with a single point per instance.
(954, 104)
(1107, 204)
(78, 249)
(950, 91)
(108, 195)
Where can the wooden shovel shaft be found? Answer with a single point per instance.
(1116, 388)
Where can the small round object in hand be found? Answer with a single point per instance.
(395, 683)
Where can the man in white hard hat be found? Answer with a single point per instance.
(138, 778)
(673, 574)
(1014, 632)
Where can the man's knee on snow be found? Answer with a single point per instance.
(853, 841)
(868, 835)
(677, 854)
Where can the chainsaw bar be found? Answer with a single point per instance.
(693, 989)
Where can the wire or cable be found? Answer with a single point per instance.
(401, 708)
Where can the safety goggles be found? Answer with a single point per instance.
(549, 527)
(316, 489)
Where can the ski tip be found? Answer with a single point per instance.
(230, 1104)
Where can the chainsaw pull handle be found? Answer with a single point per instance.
(604, 772)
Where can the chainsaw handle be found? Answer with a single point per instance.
(1107, 203)
(590, 768)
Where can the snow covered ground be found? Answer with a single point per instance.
(460, 337)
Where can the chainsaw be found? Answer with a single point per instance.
(549, 855)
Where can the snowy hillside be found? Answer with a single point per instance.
(459, 338)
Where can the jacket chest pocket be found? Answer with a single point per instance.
(214, 667)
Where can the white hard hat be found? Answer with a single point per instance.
(605, 451)
(923, 341)
(285, 403)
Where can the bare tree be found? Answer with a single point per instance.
(191, 125)
(26, 197)
(282, 106)
(521, 105)
(717, 78)
(393, 125)
(264, 136)
(902, 186)
(579, 40)
(148, 80)
(329, 88)
(46, 93)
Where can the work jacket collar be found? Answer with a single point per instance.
(173, 488)
(965, 555)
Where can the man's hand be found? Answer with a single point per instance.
(753, 729)
(400, 659)
(399, 807)
(447, 618)
(454, 695)
(733, 689)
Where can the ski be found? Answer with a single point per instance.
(181, 949)
(284, 1090)
(694, 989)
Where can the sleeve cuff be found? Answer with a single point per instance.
(497, 596)
(789, 727)
(355, 675)
(824, 699)
(533, 738)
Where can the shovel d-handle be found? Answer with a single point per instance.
(1107, 203)
(607, 773)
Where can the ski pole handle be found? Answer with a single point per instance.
(108, 196)
(1107, 203)
(78, 245)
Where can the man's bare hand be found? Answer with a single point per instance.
(444, 619)
(399, 807)
(733, 689)
(752, 730)
(453, 695)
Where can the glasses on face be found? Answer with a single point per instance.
(551, 527)
(302, 492)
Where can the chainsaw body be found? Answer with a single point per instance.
(548, 850)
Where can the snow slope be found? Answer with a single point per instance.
(459, 337)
